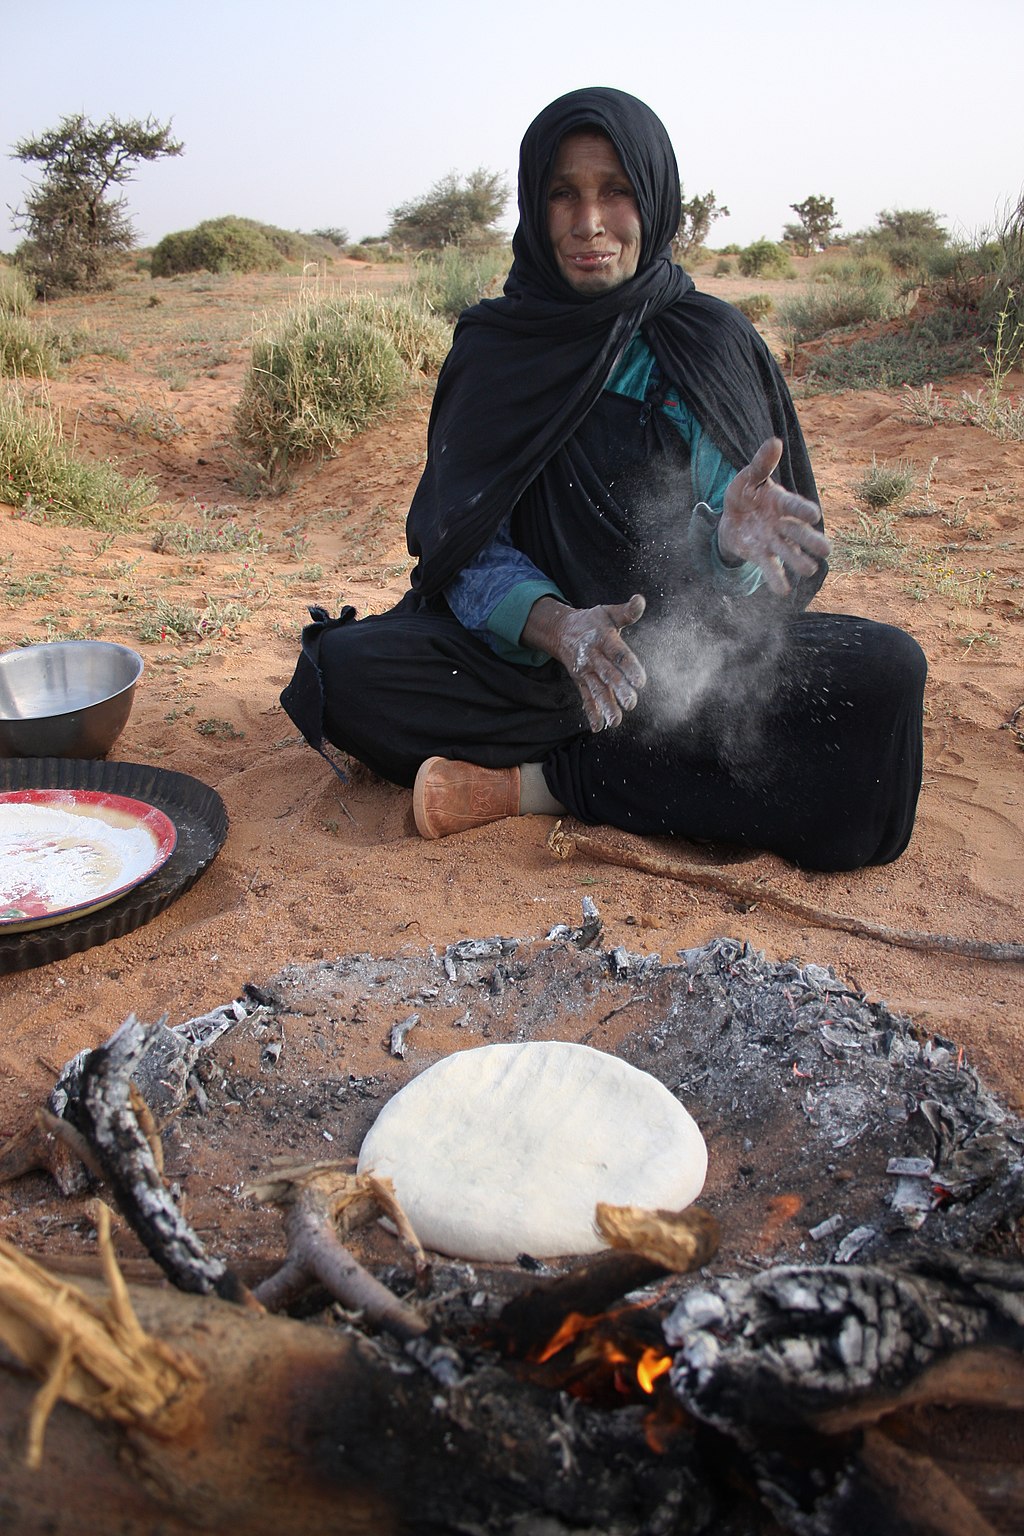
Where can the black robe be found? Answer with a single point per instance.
(809, 740)
(525, 369)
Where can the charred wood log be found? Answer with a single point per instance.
(529, 1321)
(321, 1430)
(844, 1387)
(105, 1109)
(845, 1392)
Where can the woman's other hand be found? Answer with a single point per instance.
(774, 528)
(589, 644)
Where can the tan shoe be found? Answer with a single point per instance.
(450, 796)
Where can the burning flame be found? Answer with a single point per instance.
(572, 1326)
(650, 1366)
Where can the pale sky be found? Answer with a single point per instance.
(331, 113)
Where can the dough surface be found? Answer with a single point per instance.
(506, 1149)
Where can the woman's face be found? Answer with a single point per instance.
(593, 218)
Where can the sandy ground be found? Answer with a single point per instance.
(313, 869)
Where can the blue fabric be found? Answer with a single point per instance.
(493, 593)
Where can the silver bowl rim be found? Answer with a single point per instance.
(68, 645)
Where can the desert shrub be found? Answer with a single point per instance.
(16, 296)
(874, 545)
(25, 349)
(40, 473)
(722, 266)
(912, 257)
(218, 245)
(911, 240)
(453, 279)
(359, 253)
(885, 484)
(940, 343)
(288, 243)
(755, 305)
(421, 336)
(763, 258)
(730, 250)
(326, 369)
(863, 269)
(1002, 257)
(858, 293)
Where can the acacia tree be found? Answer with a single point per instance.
(696, 216)
(818, 224)
(75, 221)
(908, 238)
(457, 210)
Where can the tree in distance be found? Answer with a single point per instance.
(696, 216)
(334, 234)
(817, 227)
(76, 223)
(456, 211)
(912, 224)
(910, 239)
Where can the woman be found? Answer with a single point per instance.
(600, 430)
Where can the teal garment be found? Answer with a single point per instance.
(709, 472)
(505, 622)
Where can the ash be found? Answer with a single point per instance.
(835, 1128)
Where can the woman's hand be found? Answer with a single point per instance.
(588, 643)
(763, 522)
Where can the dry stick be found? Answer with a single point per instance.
(316, 1254)
(94, 1354)
(569, 838)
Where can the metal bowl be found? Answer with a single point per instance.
(68, 698)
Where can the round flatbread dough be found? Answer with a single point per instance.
(507, 1149)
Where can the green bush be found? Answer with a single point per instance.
(912, 257)
(941, 343)
(764, 258)
(25, 350)
(16, 297)
(856, 294)
(755, 305)
(454, 278)
(722, 266)
(327, 368)
(217, 245)
(1002, 257)
(40, 474)
(860, 268)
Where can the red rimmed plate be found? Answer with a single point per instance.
(67, 852)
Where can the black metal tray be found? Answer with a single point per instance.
(198, 814)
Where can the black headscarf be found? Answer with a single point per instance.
(525, 369)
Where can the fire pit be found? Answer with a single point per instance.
(868, 1190)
